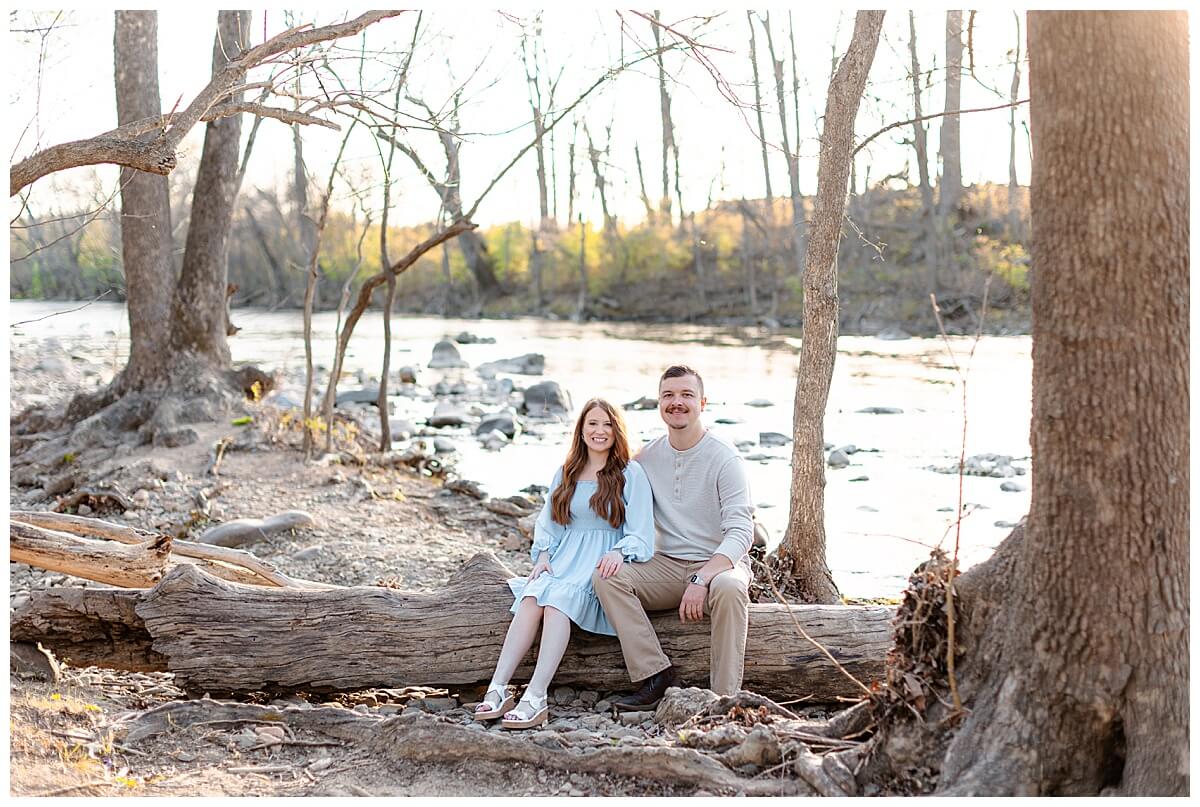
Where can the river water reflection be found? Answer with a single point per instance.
(883, 513)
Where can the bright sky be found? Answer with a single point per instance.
(71, 97)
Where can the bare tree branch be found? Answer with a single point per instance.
(158, 156)
(898, 124)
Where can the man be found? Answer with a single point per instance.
(702, 513)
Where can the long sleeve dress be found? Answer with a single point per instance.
(576, 548)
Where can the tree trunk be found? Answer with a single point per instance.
(762, 129)
(581, 304)
(198, 309)
(803, 546)
(950, 187)
(292, 639)
(646, 203)
(793, 158)
(668, 130)
(145, 204)
(1015, 231)
(928, 236)
(1080, 659)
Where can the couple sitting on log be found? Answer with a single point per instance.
(598, 563)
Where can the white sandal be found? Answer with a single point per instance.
(495, 703)
(528, 713)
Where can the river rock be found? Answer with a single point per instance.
(503, 422)
(445, 387)
(546, 399)
(446, 413)
(773, 439)
(1006, 525)
(401, 429)
(759, 403)
(635, 718)
(680, 704)
(407, 374)
(729, 421)
(366, 395)
(444, 445)
(529, 364)
(445, 356)
(563, 695)
(744, 445)
(837, 459)
(494, 440)
(466, 338)
(1011, 487)
(642, 404)
(881, 410)
(848, 449)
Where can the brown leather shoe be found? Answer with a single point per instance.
(650, 693)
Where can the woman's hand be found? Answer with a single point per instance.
(542, 565)
(610, 563)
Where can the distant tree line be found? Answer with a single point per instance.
(733, 260)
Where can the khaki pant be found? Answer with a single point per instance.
(658, 585)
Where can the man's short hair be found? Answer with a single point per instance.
(678, 371)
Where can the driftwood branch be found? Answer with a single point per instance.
(235, 565)
(157, 155)
(139, 565)
(362, 637)
(242, 531)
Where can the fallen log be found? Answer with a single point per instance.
(139, 565)
(225, 638)
(88, 626)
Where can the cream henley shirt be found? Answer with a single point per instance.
(701, 499)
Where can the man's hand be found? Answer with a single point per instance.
(610, 563)
(691, 607)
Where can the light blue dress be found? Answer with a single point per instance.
(575, 549)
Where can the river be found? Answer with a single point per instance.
(883, 513)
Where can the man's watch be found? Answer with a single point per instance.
(698, 580)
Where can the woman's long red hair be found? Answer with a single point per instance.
(606, 502)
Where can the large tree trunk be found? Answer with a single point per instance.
(223, 637)
(950, 187)
(802, 552)
(1079, 643)
(198, 310)
(145, 204)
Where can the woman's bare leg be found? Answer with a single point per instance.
(556, 632)
(517, 641)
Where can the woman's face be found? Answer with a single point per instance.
(597, 429)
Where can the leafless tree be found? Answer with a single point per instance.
(801, 555)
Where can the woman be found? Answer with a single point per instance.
(598, 514)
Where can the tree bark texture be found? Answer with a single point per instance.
(950, 187)
(1084, 667)
(198, 310)
(223, 637)
(804, 542)
(145, 203)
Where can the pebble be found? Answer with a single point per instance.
(83, 510)
(603, 706)
(321, 764)
(563, 695)
(635, 718)
(1011, 487)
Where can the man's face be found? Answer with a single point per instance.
(680, 402)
